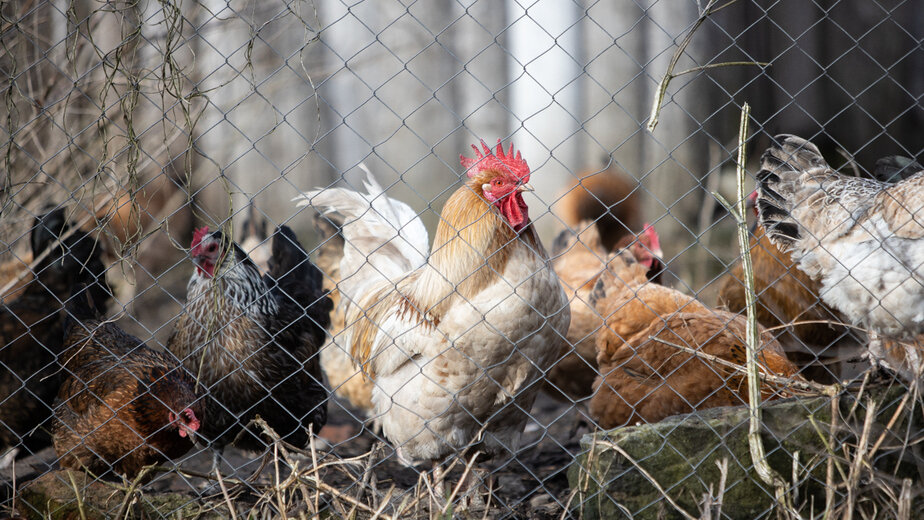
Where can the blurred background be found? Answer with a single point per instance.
(147, 119)
(193, 110)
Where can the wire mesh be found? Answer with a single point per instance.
(245, 274)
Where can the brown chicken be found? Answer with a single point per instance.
(122, 405)
(643, 379)
(608, 198)
(579, 261)
(252, 340)
(125, 217)
(786, 295)
(32, 330)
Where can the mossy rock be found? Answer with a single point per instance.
(682, 454)
(55, 496)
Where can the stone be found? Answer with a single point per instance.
(681, 454)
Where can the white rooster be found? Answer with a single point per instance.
(455, 340)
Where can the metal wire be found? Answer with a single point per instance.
(144, 121)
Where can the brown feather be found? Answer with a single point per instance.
(113, 407)
(646, 380)
(609, 198)
(785, 294)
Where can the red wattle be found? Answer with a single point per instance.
(514, 209)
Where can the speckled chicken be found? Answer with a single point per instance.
(122, 405)
(456, 340)
(252, 341)
(644, 379)
(784, 294)
(861, 238)
(788, 301)
(32, 329)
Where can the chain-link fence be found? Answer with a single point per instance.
(245, 274)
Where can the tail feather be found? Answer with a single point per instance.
(46, 229)
(298, 287)
(379, 232)
(781, 167)
(290, 265)
(75, 262)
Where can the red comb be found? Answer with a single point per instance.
(652, 235)
(498, 161)
(198, 235)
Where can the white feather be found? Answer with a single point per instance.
(384, 239)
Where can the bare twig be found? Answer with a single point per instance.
(670, 74)
(829, 470)
(758, 454)
(130, 491)
(314, 463)
(723, 478)
(224, 492)
(78, 496)
(858, 459)
(455, 491)
(904, 500)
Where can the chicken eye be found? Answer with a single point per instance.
(497, 182)
(211, 248)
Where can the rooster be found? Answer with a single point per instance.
(643, 375)
(579, 261)
(122, 405)
(32, 328)
(861, 238)
(251, 341)
(455, 341)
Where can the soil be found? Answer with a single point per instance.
(529, 484)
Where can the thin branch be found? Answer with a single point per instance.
(758, 453)
(670, 74)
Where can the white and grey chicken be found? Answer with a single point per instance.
(862, 238)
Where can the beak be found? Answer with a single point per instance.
(525, 187)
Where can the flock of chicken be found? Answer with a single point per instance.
(447, 346)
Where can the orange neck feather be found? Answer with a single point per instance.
(469, 250)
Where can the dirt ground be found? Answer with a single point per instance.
(530, 484)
